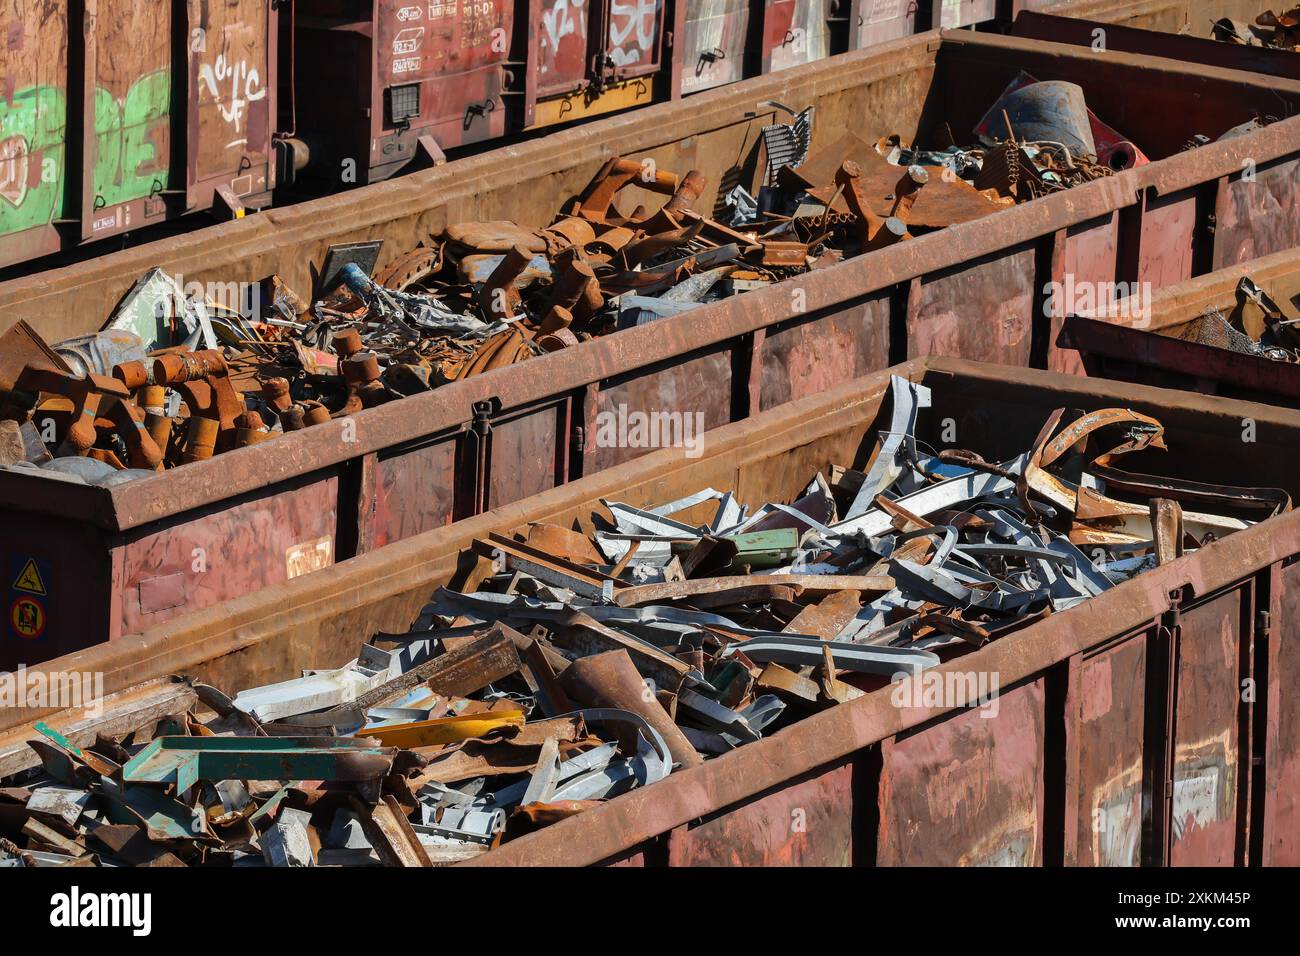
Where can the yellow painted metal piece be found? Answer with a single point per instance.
(444, 730)
(565, 109)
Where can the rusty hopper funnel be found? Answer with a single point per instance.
(1050, 110)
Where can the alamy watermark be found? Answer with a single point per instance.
(1127, 300)
(620, 428)
(947, 689)
(75, 909)
(244, 298)
(53, 689)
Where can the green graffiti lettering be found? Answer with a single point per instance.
(32, 136)
(128, 158)
(131, 158)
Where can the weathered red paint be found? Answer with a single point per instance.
(967, 790)
(1104, 748)
(806, 356)
(1064, 23)
(1089, 256)
(943, 321)
(714, 42)
(794, 32)
(878, 21)
(1257, 212)
(1205, 766)
(807, 822)
(1281, 751)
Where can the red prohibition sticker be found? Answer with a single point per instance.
(27, 616)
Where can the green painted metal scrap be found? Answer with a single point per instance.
(186, 760)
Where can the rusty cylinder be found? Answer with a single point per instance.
(360, 368)
(133, 375)
(610, 679)
(152, 399)
(688, 191)
(292, 419)
(175, 368)
(201, 439)
(497, 298)
(159, 427)
(314, 413)
(347, 343)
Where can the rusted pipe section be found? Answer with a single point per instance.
(611, 680)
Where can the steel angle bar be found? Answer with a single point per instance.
(1065, 589)
(658, 762)
(869, 621)
(1016, 551)
(681, 504)
(1007, 596)
(651, 550)
(464, 825)
(320, 690)
(545, 777)
(709, 741)
(632, 520)
(763, 711)
(1066, 495)
(941, 496)
(549, 570)
(440, 795)
(799, 515)
(660, 632)
(1084, 569)
(730, 514)
(661, 614)
(860, 658)
(932, 583)
(714, 716)
(909, 398)
(598, 783)
(490, 606)
(875, 612)
(596, 759)
(1119, 571)
(1276, 500)
(968, 571)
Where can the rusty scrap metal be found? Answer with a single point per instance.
(177, 378)
(1277, 30)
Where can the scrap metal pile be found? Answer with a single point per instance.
(560, 669)
(1278, 30)
(1260, 328)
(177, 378)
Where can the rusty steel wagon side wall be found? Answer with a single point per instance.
(1120, 735)
(1059, 27)
(256, 516)
(1124, 344)
(1192, 17)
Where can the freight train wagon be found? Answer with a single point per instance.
(153, 111)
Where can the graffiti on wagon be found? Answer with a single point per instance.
(32, 129)
(632, 31)
(130, 148)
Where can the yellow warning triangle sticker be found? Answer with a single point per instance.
(30, 579)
